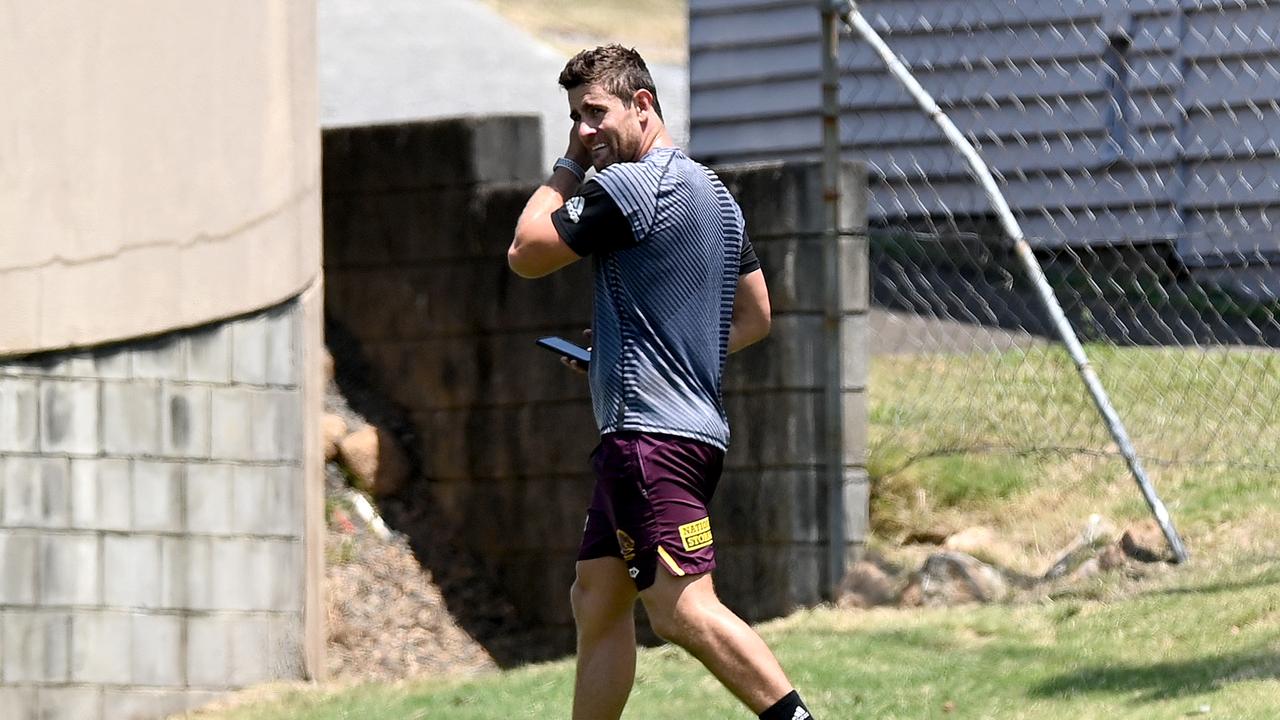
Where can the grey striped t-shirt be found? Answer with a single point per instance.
(664, 299)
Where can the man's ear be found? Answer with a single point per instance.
(643, 100)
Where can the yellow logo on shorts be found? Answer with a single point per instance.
(627, 546)
(696, 534)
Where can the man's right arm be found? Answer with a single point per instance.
(537, 249)
(588, 223)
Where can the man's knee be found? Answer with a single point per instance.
(584, 599)
(680, 609)
(577, 596)
(601, 593)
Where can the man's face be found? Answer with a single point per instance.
(608, 129)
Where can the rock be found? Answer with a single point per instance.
(333, 429)
(976, 536)
(1145, 542)
(1097, 533)
(929, 536)
(1111, 558)
(866, 585)
(983, 544)
(953, 578)
(1071, 558)
(912, 596)
(1087, 570)
(375, 459)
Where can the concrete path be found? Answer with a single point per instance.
(391, 60)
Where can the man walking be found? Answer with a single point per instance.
(677, 288)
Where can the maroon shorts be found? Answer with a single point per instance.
(650, 504)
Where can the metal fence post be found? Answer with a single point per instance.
(833, 410)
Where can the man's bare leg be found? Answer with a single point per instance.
(604, 599)
(686, 611)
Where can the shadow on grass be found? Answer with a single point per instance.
(1165, 680)
(1262, 579)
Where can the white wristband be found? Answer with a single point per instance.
(571, 166)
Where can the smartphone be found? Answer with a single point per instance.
(563, 347)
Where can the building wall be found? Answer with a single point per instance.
(1036, 85)
(151, 520)
(160, 331)
(159, 166)
(418, 218)
(767, 52)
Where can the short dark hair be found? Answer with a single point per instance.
(619, 71)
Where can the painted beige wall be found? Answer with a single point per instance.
(159, 165)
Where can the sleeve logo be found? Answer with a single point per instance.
(696, 534)
(574, 208)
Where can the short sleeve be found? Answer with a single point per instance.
(748, 263)
(591, 222)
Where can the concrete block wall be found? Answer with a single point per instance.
(418, 218)
(151, 521)
(773, 515)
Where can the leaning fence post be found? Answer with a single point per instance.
(848, 11)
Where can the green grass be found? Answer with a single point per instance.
(1162, 648)
(993, 438)
(1167, 644)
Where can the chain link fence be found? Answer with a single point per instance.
(1135, 144)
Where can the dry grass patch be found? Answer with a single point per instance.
(657, 28)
